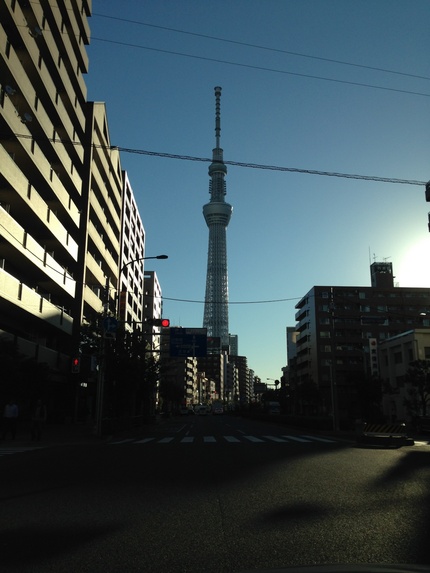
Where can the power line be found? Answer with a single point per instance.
(259, 47)
(232, 302)
(261, 68)
(233, 163)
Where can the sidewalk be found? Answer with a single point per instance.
(71, 433)
(53, 434)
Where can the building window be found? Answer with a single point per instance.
(325, 334)
(398, 358)
(427, 352)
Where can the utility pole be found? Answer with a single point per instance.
(333, 366)
(102, 364)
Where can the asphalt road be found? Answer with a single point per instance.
(215, 494)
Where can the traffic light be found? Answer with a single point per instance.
(76, 365)
(164, 322)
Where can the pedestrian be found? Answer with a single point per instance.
(10, 419)
(38, 419)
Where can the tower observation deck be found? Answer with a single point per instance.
(217, 214)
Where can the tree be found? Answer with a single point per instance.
(417, 382)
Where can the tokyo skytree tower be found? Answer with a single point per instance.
(217, 215)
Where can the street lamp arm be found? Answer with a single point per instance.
(142, 259)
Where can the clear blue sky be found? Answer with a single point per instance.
(291, 104)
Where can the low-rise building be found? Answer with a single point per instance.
(396, 355)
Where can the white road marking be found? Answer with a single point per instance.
(231, 439)
(317, 439)
(296, 438)
(275, 439)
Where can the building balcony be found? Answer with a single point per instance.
(23, 298)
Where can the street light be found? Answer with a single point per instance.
(142, 259)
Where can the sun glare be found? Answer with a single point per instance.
(414, 267)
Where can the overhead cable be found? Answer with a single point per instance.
(259, 47)
(233, 163)
(261, 68)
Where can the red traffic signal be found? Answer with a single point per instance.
(164, 322)
(76, 365)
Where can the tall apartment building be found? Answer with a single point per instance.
(337, 333)
(232, 385)
(233, 344)
(68, 219)
(100, 221)
(43, 138)
(132, 278)
(244, 382)
(153, 306)
(215, 368)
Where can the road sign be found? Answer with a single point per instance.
(188, 342)
(110, 324)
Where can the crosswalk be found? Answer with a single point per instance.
(226, 439)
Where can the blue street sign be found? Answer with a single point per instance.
(188, 342)
(110, 324)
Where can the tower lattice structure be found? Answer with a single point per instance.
(217, 214)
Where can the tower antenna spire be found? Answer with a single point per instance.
(217, 116)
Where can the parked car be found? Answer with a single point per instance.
(186, 411)
(200, 410)
(218, 410)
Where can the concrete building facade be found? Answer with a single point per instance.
(43, 126)
(395, 357)
(132, 278)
